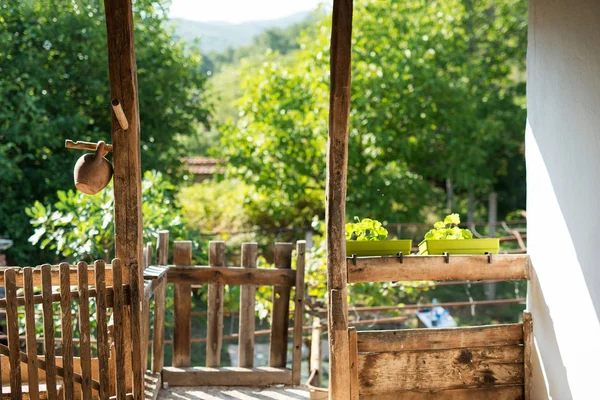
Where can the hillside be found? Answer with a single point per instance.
(219, 36)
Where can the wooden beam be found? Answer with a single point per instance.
(528, 349)
(214, 329)
(231, 276)
(182, 319)
(418, 268)
(229, 376)
(335, 218)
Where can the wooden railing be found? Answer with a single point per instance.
(101, 373)
(183, 275)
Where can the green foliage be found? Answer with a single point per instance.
(81, 227)
(437, 94)
(448, 229)
(54, 86)
(365, 229)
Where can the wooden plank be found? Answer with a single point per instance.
(30, 330)
(527, 351)
(440, 369)
(37, 275)
(229, 376)
(298, 313)
(440, 338)
(102, 329)
(214, 330)
(137, 330)
(435, 268)
(335, 209)
(247, 312)
(49, 351)
(231, 276)
(158, 333)
(316, 359)
(353, 345)
(281, 310)
(508, 392)
(66, 332)
(118, 337)
(162, 248)
(12, 329)
(146, 312)
(182, 313)
(84, 333)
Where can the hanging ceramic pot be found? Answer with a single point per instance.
(92, 171)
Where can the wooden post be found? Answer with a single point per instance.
(247, 313)
(527, 351)
(182, 315)
(316, 359)
(281, 309)
(353, 340)
(158, 335)
(126, 148)
(335, 218)
(298, 313)
(214, 330)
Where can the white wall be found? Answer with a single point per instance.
(563, 206)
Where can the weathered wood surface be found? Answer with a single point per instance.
(417, 268)
(508, 392)
(335, 210)
(55, 275)
(527, 351)
(158, 332)
(49, 350)
(137, 331)
(30, 331)
(182, 318)
(316, 358)
(440, 369)
(84, 333)
(12, 329)
(281, 310)
(66, 332)
(214, 330)
(441, 338)
(298, 312)
(102, 329)
(231, 276)
(119, 333)
(247, 311)
(228, 376)
(353, 345)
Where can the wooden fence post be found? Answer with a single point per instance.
(298, 312)
(214, 332)
(182, 315)
(247, 313)
(281, 309)
(158, 334)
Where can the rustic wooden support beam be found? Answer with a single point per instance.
(281, 309)
(214, 330)
(337, 165)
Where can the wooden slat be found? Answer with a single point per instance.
(158, 335)
(49, 351)
(247, 312)
(119, 339)
(508, 392)
(281, 310)
(440, 369)
(30, 330)
(84, 333)
(230, 376)
(146, 311)
(137, 331)
(527, 351)
(231, 276)
(182, 314)
(162, 248)
(353, 346)
(102, 329)
(12, 329)
(316, 359)
(440, 338)
(435, 268)
(37, 275)
(298, 312)
(214, 330)
(74, 295)
(66, 331)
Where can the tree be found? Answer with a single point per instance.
(54, 86)
(436, 95)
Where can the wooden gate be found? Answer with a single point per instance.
(75, 343)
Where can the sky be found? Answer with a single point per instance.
(239, 10)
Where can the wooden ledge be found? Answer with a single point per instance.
(435, 268)
(228, 376)
(232, 275)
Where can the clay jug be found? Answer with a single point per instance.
(92, 171)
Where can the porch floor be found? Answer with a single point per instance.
(234, 393)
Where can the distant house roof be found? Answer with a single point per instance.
(203, 165)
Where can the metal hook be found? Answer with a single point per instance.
(447, 255)
(400, 257)
(354, 259)
(489, 255)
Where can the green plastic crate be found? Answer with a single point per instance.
(378, 247)
(459, 246)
